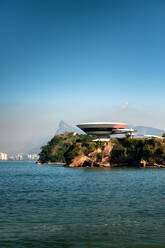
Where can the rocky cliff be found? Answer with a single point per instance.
(98, 158)
(81, 151)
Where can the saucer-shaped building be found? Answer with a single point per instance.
(104, 129)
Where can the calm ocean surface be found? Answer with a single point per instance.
(48, 206)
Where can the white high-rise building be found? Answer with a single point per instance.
(3, 156)
(19, 156)
(32, 156)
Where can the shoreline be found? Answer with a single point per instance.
(60, 163)
(120, 165)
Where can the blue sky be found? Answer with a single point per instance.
(79, 60)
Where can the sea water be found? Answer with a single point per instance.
(53, 206)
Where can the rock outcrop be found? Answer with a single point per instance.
(97, 158)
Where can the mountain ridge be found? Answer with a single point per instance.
(65, 127)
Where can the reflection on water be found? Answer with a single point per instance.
(48, 206)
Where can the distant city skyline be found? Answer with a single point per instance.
(79, 61)
(18, 157)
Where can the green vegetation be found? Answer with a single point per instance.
(57, 147)
(133, 151)
(99, 156)
(80, 148)
(126, 151)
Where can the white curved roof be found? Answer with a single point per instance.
(102, 125)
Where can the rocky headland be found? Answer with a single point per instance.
(80, 151)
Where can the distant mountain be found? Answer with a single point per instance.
(148, 130)
(64, 127)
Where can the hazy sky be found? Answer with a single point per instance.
(79, 60)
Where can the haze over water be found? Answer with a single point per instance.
(47, 206)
